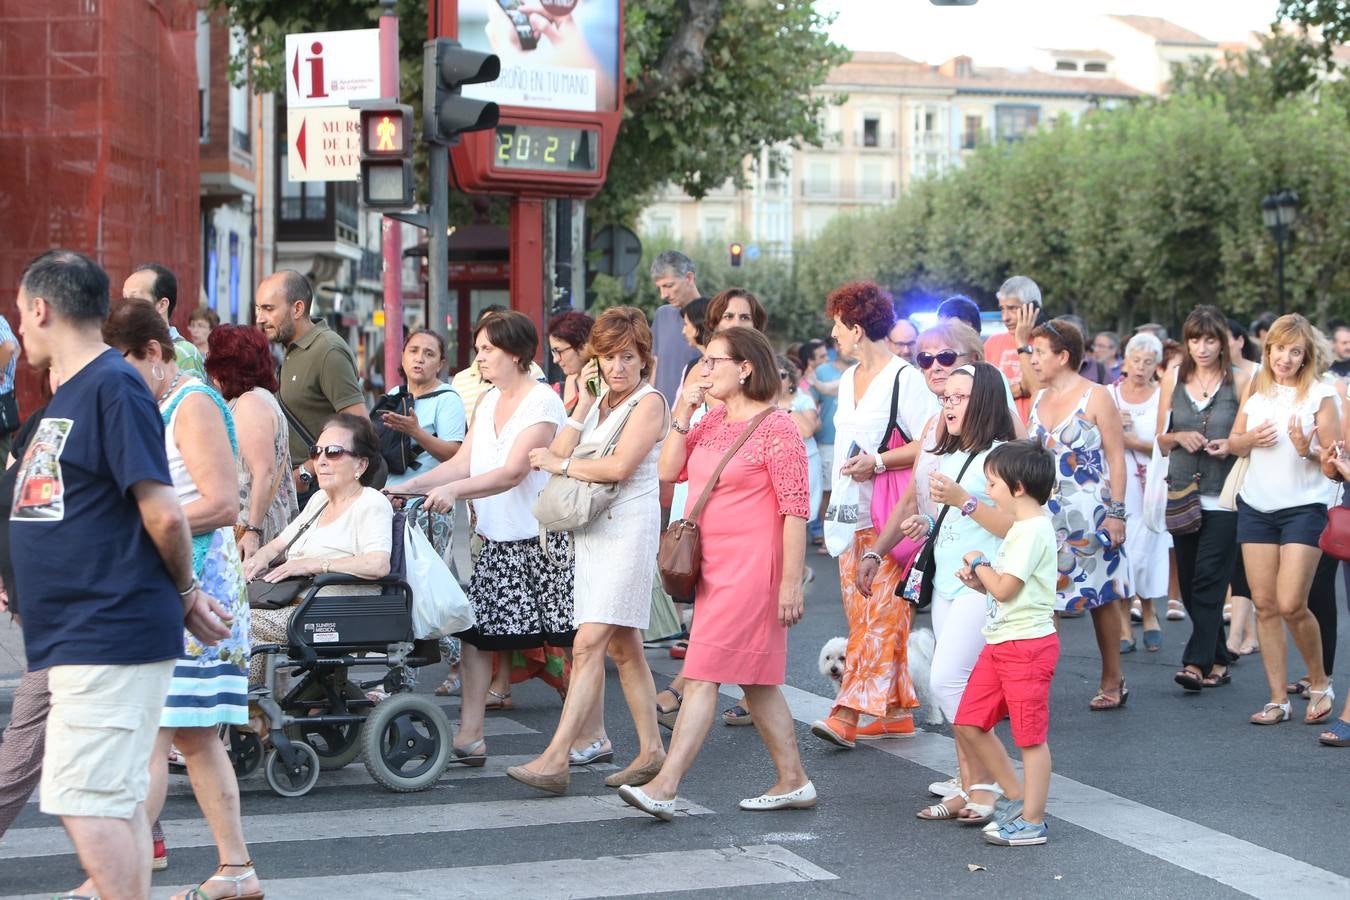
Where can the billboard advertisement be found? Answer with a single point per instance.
(556, 54)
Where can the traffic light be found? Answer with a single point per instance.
(446, 67)
(386, 157)
(736, 252)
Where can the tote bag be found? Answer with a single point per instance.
(440, 607)
(1155, 492)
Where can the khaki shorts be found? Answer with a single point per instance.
(100, 733)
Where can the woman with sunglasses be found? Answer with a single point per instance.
(567, 335)
(521, 599)
(876, 676)
(1078, 421)
(944, 347)
(209, 687)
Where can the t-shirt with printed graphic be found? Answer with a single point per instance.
(1027, 552)
(94, 589)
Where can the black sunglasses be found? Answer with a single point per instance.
(332, 451)
(946, 358)
(782, 373)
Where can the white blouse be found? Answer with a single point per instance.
(509, 516)
(1278, 478)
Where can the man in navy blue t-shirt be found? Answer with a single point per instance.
(103, 564)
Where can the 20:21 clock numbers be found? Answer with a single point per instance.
(545, 147)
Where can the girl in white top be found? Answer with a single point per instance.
(1282, 507)
(521, 600)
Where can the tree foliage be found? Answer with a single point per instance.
(709, 82)
(1329, 18)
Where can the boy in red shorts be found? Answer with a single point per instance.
(1012, 676)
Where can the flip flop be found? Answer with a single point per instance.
(1191, 682)
(1212, 681)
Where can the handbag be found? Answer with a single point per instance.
(9, 413)
(268, 595)
(679, 558)
(1182, 513)
(1335, 539)
(917, 587)
(1155, 492)
(889, 486)
(1232, 485)
(566, 503)
(439, 606)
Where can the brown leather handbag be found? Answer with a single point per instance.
(679, 558)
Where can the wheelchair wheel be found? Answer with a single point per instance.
(245, 750)
(292, 782)
(336, 745)
(406, 743)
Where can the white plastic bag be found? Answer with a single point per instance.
(1155, 492)
(841, 517)
(440, 607)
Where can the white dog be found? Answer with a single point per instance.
(920, 652)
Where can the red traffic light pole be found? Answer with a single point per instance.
(391, 234)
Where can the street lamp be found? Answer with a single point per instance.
(1279, 212)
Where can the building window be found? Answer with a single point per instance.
(871, 180)
(714, 227)
(928, 121)
(871, 136)
(819, 180)
(1094, 67)
(1066, 65)
(970, 137)
(660, 224)
(241, 135)
(1013, 123)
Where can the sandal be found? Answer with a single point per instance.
(1338, 735)
(1300, 687)
(1315, 699)
(737, 715)
(1271, 714)
(940, 811)
(1191, 682)
(1103, 701)
(499, 701)
(235, 880)
(1213, 680)
(667, 716)
(447, 688)
(984, 812)
(474, 756)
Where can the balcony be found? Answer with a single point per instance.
(929, 141)
(875, 140)
(835, 190)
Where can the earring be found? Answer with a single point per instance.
(157, 372)
(744, 379)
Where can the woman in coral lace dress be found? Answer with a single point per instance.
(754, 545)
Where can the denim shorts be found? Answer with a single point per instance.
(1295, 525)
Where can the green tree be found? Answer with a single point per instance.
(710, 83)
(1330, 18)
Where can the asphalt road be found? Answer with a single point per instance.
(1171, 796)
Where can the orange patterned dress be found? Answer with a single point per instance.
(876, 665)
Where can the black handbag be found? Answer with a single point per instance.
(917, 588)
(9, 413)
(277, 595)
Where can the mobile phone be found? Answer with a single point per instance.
(853, 450)
(593, 385)
(520, 22)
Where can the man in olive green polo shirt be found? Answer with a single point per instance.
(318, 376)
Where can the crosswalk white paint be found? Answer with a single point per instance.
(1231, 861)
(380, 821)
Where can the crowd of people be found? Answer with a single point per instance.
(999, 484)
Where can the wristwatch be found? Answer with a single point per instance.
(968, 508)
(980, 560)
(305, 476)
(253, 529)
(1025, 348)
(566, 464)
(879, 466)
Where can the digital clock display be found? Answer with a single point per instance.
(546, 148)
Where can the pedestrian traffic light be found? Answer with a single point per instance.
(386, 156)
(736, 252)
(446, 68)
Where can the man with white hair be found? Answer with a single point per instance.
(1019, 302)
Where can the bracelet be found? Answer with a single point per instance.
(980, 560)
(573, 423)
(931, 524)
(872, 554)
(675, 424)
(1115, 509)
(327, 566)
(190, 589)
(252, 529)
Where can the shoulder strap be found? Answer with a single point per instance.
(301, 430)
(947, 508)
(281, 557)
(613, 441)
(717, 473)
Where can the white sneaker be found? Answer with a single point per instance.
(944, 789)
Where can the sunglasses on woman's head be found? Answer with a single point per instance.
(332, 451)
(782, 374)
(945, 358)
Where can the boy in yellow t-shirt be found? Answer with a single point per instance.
(1012, 676)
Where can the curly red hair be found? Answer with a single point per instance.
(862, 303)
(238, 358)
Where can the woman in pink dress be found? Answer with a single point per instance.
(754, 548)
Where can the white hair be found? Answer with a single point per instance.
(1145, 343)
(1022, 289)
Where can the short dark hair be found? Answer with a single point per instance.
(364, 443)
(807, 351)
(489, 310)
(987, 418)
(72, 283)
(717, 307)
(695, 313)
(748, 345)
(1238, 332)
(205, 314)
(959, 306)
(133, 325)
(1024, 464)
(1262, 323)
(240, 360)
(511, 332)
(1062, 336)
(294, 286)
(573, 327)
(865, 304)
(165, 284)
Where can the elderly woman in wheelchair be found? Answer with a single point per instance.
(348, 610)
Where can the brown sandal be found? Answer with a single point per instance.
(1103, 700)
(499, 701)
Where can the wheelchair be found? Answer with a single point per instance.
(324, 720)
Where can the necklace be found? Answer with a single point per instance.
(169, 390)
(1204, 391)
(611, 403)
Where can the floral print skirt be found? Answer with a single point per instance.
(876, 663)
(521, 599)
(209, 685)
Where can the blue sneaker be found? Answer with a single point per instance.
(1005, 811)
(1019, 833)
